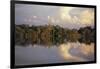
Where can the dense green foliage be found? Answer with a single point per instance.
(51, 35)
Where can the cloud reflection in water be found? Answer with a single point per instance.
(74, 52)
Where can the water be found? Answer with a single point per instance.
(42, 54)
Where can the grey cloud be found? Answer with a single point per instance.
(23, 11)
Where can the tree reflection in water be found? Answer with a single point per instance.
(51, 35)
(73, 45)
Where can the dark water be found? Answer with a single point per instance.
(67, 52)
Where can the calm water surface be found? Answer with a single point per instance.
(42, 54)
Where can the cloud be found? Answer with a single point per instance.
(67, 17)
(87, 17)
(74, 17)
(83, 15)
(24, 12)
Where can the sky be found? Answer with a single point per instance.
(66, 17)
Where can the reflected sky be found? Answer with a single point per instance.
(77, 51)
(67, 17)
(67, 52)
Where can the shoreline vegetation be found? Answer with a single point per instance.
(52, 35)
